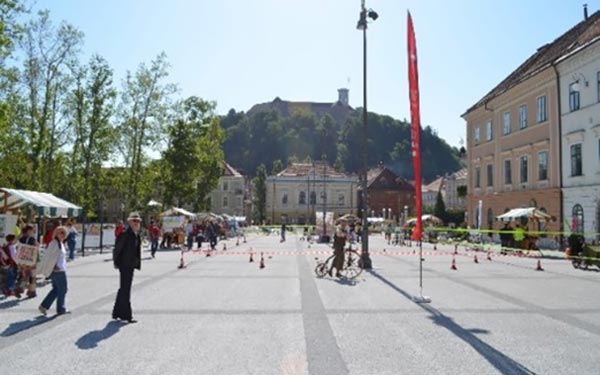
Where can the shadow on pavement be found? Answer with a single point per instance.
(91, 339)
(503, 363)
(7, 304)
(24, 325)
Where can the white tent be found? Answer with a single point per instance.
(45, 203)
(425, 219)
(528, 212)
(175, 211)
(153, 203)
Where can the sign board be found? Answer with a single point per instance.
(8, 224)
(171, 222)
(27, 255)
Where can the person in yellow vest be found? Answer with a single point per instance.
(519, 236)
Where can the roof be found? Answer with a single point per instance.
(459, 175)
(46, 203)
(228, 170)
(303, 169)
(436, 185)
(529, 212)
(337, 110)
(391, 178)
(579, 35)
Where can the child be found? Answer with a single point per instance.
(8, 254)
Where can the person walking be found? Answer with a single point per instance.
(189, 234)
(28, 273)
(339, 242)
(127, 256)
(54, 266)
(154, 236)
(71, 238)
(8, 255)
(282, 232)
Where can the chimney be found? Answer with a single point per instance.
(585, 12)
(343, 96)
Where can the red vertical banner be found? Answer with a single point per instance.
(415, 120)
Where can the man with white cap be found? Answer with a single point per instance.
(127, 256)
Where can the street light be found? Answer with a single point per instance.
(365, 14)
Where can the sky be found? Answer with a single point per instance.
(242, 52)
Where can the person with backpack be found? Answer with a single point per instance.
(54, 266)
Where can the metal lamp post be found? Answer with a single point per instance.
(362, 25)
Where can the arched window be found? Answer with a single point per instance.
(577, 224)
(313, 198)
(284, 199)
(302, 198)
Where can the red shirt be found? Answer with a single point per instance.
(154, 231)
(119, 229)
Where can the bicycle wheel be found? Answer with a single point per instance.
(321, 269)
(352, 264)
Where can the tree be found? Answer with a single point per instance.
(277, 167)
(48, 52)
(193, 159)
(143, 113)
(90, 107)
(440, 207)
(260, 193)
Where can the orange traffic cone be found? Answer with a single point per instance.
(539, 266)
(251, 258)
(453, 265)
(475, 259)
(262, 261)
(181, 262)
(489, 255)
(237, 241)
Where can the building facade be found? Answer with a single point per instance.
(453, 182)
(580, 114)
(514, 135)
(389, 194)
(229, 196)
(295, 194)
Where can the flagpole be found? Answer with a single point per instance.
(413, 79)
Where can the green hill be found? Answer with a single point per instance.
(295, 131)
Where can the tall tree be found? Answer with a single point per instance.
(193, 158)
(48, 52)
(143, 113)
(440, 207)
(90, 107)
(260, 193)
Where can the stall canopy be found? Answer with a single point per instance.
(45, 203)
(528, 212)
(426, 219)
(178, 211)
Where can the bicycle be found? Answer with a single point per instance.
(352, 265)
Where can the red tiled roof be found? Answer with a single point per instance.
(579, 35)
(228, 170)
(303, 169)
(435, 185)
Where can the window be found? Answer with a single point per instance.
(225, 202)
(323, 196)
(284, 199)
(313, 198)
(598, 85)
(477, 177)
(341, 200)
(490, 175)
(523, 169)
(477, 135)
(541, 109)
(507, 172)
(573, 97)
(543, 165)
(577, 224)
(576, 160)
(302, 198)
(522, 116)
(225, 185)
(506, 123)
(488, 130)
